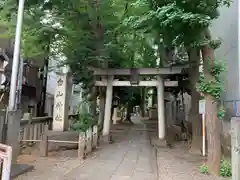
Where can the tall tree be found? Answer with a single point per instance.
(187, 23)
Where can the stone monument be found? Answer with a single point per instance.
(61, 101)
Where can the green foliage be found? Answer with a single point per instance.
(178, 22)
(213, 87)
(81, 33)
(82, 122)
(225, 169)
(204, 169)
(37, 35)
(221, 112)
(112, 33)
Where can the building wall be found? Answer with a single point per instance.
(226, 27)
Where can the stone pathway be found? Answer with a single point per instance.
(131, 157)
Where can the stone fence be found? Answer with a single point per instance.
(32, 128)
(38, 130)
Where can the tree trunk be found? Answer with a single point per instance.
(212, 121)
(129, 111)
(194, 116)
(93, 103)
(154, 97)
(142, 105)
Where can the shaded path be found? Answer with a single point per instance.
(130, 157)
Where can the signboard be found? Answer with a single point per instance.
(202, 112)
(202, 106)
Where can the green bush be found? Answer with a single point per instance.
(82, 122)
(225, 169)
(204, 169)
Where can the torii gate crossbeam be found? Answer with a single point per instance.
(109, 82)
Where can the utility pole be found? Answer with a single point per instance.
(19, 83)
(14, 114)
(16, 57)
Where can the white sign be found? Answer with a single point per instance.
(202, 106)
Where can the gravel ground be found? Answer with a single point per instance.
(49, 168)
(176, 163)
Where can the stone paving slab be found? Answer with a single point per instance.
(129, 159)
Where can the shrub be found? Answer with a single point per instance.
(82, 122)
(225, 169)
(204, 169)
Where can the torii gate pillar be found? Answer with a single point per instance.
(108, 105)
(160, 100)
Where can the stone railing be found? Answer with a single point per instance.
(32, 128)
(38, 130)
(85, 141)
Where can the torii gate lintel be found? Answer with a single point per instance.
(109, 82)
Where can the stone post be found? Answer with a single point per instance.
(13, 130)
(235, 142)
(108, 105)
(2, 124)
(160, 108)
(114, 117)
(61, 102)
(174, 111)
(169, 118)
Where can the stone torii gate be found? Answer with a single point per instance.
(134, 81)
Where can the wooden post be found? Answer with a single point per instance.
(44, 142)
(235, 141)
